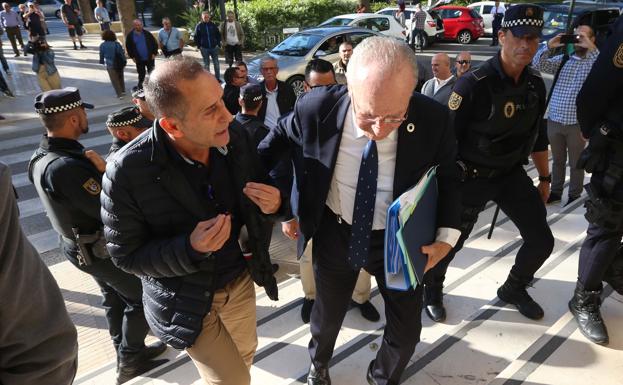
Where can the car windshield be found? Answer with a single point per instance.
(555, 20)
(298, 44)
(337, 21)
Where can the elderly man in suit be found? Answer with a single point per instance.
(391, 136)
(440, 86)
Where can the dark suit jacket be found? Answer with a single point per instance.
(314, 131)
(285, 99)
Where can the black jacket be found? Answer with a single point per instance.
(285, 99)
(149, 210)
(314, 132)
(150, 41)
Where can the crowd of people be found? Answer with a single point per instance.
(183, 216)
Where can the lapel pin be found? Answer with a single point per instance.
(410, 127)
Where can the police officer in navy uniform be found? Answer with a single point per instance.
(600, 114)
(498, 109)
(68, 181)
(124, 125)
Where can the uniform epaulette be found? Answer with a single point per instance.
(534, 72)
(479, 73)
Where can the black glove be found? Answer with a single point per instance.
(262, 274)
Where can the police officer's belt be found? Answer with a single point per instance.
(473, 171)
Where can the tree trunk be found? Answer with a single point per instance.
(127, 14)
(86, 11)
(365, 4)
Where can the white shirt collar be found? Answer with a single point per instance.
(442, 83)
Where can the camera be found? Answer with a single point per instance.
(569, 38)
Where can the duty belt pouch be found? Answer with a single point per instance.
(90, 247)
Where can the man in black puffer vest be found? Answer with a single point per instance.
(184, 208)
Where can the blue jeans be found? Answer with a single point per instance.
(208, 53)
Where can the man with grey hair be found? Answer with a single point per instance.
(392, 136)
(440, 86)
(462, 63)
(170, 39)
(186, 208)
(278, 96)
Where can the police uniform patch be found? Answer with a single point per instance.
(509, 109)
(92, 186)
(617, 59)
(455, 101)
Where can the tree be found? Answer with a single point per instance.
(86, 11)
(127, 14)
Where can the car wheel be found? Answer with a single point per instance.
(464, 37)
(297, 82)
(57, 13)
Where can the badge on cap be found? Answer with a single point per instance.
(617, 59)
(529, 12)
(92, 186)
(455, 101)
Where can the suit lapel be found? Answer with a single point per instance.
(330, 130)
(404, 151)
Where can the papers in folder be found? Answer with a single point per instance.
(411, 224)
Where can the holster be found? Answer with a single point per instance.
(90, 246)
(603, 211)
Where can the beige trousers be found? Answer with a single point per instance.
(48, 82)
(361, 293)
(223, 352)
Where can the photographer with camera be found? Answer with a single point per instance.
(563, 130)
(43, 64)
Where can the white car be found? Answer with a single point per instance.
(484, 9)
(433, 28)
(386, 25)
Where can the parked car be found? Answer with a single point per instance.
(434, 24)
(599, 3)
(461, 23)
(597, 17)
(48, 7)
(484, 9)
(294, 52)
(387, 25)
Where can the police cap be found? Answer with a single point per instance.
(52, 102)
(127, 116)
(251, 93)
(524, 19)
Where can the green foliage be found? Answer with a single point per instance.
(190, 18)
(262, 18)
(173, 9)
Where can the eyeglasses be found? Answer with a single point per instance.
(463, 62)
(391, 120)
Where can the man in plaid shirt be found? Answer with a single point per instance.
(418, 23)
(563, 129)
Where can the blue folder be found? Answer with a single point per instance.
(410, 226)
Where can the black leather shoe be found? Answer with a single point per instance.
(368, 311)
(553, 198)
(433, 303)
(513, 291)
(128, 369)
(306, 309)
(585, 309)
(318, 376)
(154, 350)
(369, 376)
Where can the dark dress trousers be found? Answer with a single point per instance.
(313, 134)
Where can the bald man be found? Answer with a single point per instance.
(440, 86)
(462, 63)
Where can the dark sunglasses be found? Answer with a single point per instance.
(463, 62)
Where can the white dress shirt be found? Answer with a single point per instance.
(341, 197)
(272, 108)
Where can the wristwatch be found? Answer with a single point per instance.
(547, 179)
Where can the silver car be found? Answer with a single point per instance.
(297, 50)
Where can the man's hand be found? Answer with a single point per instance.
(555, 42)
(586, 42)
(96, 159)
(70, 26)
(436, 252)
(543, 188)
(211, 235)
(290, 229)
(267, 198)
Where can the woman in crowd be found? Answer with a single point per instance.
(113, 56)
(43, 65)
